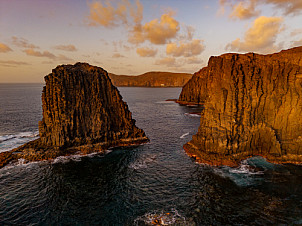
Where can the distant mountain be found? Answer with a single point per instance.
(152, 79)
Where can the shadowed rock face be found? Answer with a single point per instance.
(81, 106)
(253, 106)
(82, 112)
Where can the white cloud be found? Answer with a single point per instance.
(167, 61)
(146, 52)
(23, 43)
(260, 37)
(193, 48)
(157, 31)
(70, 48)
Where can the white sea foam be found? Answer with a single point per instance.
(143, 163)
(192, 115)
(21, 163)
(184, 135)
(162, 218)
(11, 141)
(76, 157)
(245, 174)
(245, 168)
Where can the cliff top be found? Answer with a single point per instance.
(293, 54)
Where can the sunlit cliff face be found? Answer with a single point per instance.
(252, 106)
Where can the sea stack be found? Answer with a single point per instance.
(82, 112)
(252, 107)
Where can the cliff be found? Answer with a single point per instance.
(253, 106)
(152, 79)
(82, 112)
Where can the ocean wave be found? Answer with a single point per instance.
(164, 102)
(184, 135)
(11, 141)
(246, 168)
(76, 157)
(193, 115)
(21, 163)
(247, 173)
(162, 218)
(143, 163)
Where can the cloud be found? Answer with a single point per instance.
(242, 11)
(59, 58)
(146, 52)
(194, 60)
(63, 58)
(106, 15)
(296, 32)
(167, 61)
(288, 6)
(70, 48)
(117, 55)
(297, 43)
(4, 48)
(260, 37)
(12, 63)
(245, 9)
(23, 43)
(157, 31)
(193, 48)
(32, 52)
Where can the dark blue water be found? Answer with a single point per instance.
(137, 185)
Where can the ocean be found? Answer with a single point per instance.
(154, 183)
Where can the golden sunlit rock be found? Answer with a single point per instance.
(253, 106)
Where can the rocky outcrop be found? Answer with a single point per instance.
(252, 106)
(152, 79)
(82, 112)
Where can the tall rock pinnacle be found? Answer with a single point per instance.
(81, 106)
(82, 113)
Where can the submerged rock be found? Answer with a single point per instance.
(82, 112)
(253, 106)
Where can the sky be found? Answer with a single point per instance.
(131, 37)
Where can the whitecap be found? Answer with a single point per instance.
(244, 175)
(143, 163)
(76, 157)
(184, 135)
(192, 115)
(245, 168)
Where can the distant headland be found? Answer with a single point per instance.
(152, 79)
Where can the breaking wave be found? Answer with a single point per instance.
(184, 135)
(143, 163)
(11, 141)
(193, 115)
(249, 172)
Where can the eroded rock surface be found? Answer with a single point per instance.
(82, 112)
(253, 106)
